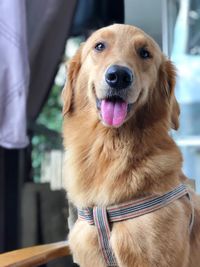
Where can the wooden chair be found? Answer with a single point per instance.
(34, 256)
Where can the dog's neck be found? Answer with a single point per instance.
(110, 166)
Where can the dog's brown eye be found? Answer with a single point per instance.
(100, 46)
(144, 53)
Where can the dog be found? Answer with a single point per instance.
(119, 107)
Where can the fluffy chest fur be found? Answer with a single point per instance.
(105, 167)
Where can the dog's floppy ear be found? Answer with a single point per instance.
(73, 68)
(167, 83)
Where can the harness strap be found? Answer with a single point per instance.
(103, 228)
(101, 216)
(192, 213)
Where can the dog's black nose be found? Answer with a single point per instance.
(118, 77)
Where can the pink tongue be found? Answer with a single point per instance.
(113, 113)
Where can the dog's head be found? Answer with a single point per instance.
(120, 72)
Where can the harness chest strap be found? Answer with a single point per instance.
(102, 216)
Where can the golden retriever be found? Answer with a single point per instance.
(119, 106)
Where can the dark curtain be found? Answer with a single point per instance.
(48, 26)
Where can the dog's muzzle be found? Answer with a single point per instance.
(114, 107)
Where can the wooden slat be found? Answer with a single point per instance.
(34, 256)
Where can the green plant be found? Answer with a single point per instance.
(48, 130)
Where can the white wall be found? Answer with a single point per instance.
(147, 15)
(153, 16)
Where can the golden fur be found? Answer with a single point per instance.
(107, 165)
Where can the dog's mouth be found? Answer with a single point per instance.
(113, 110)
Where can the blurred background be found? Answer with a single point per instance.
(37, 37)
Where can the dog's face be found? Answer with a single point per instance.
(119, 70)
